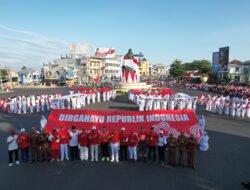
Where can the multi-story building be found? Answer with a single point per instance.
(160, 71)
(245, 72)
(234, 70)
(144, 68)
(28, 76)
(112, 68)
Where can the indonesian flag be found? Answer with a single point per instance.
(230, 104)
(239, 105)
(200, 97)
(213, 102)
(248, 105)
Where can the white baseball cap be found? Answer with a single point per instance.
(161, 131)
(123, 129)
(94, 127)
(22, 130)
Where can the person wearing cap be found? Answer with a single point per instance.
(171, 145)
(23, 142)
(83, 140)
(12, 147)
(104, 135)
(73, 143)
(182, 144)
(34, 146)
(54, 145)
(63, 136)
(114, 145)
(162, 141)
(204, 142)
(132, 145)
(191, 149)
(123, 136)
(152, 144)
(93, 142)
(142, 145)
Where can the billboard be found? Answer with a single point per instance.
(79, 49)
(104, 52)
(215, 62)
(223, 58)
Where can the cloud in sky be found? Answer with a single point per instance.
(20, 47)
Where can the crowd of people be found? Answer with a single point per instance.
(77, 98)
(235, 106)
(227, 90)
(115, 146)
(162, 99)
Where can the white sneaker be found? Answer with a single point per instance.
(10, 164)
(92, 160)
(67, 158)
(17, 162)
(112, 160)
(52, 160)
(117, 160)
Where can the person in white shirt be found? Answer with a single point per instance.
(73, 143)
(202, 123)
(13, 147)
(162, 141)
(204, 142)
(43, 123)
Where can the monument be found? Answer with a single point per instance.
(130, 73)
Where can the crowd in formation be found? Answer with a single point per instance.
(162, 99)
(235, 106)
(115, 146)
(77, 98)
(227, 90)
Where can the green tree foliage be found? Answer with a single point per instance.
(3, 72)
(204, 66)
(177, 69)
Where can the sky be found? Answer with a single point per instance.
(33, 32)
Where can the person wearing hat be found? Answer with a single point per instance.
(191, 149)
(162, 141)
(23, 142)
(83, 143)
(34, 145)
(12, 147)
(104, 139)
(142, 145)
(93, 142)
(204, 142)
(132, 145)
(152, 144)
(123, 144)
(171, 145)
(54, 145)
(63, 136)
(182, 143)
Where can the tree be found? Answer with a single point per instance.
(203, 66)
(177, 69)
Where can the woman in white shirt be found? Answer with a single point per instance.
(12, 147)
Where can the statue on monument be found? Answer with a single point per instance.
(129, 55)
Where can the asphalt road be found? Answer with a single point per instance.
(224, 166)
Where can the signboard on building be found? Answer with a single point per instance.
(223, 58)
(215, 62)
(104, 52)
(79, 49)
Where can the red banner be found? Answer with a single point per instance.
(173, 121)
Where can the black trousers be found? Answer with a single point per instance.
(123, 152)
(161, 153)
(11, 155)
(74, 152)
(105, 149)
(24, 154)
(152, 149)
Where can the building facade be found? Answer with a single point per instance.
(144, 68)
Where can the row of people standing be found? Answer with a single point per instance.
(121, 145)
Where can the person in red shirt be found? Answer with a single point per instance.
(152, 144)
(142, 146)
(63, 140)
(23, 142)
(132, 145)
(104, 135)
(83, 140)
(114, 144)
(123, 144)
(93, 142)
(54, 145)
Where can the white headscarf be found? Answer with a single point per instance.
(43, 122)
